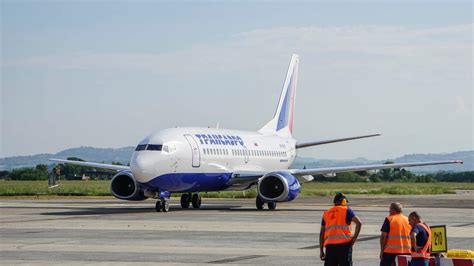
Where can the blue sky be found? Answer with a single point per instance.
(107, 73)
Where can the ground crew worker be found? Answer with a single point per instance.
(335, 234)
(420, 240)
(395, 236)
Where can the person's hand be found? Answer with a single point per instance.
(381, 254)
(322, 256)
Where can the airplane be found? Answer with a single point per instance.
(190, 160)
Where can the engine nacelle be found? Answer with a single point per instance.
(278, 186)
(125, 187)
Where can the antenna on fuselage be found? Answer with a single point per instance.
(217, 126)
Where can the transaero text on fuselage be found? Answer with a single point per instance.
(220, 139)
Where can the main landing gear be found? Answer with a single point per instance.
(260, 203)
(187, 199)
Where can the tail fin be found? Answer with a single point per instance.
(282, 122)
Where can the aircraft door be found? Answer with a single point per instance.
(196, 155)
(246, 155)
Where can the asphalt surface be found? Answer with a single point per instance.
(78, 231)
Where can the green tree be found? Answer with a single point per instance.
(29, 173)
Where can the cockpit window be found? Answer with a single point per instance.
(141, 147)
(149, 147)
(154, 147)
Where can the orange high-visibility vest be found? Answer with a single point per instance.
(336, 230)
(398, 238)
(425, 251)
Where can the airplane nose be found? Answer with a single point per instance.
(141, 166)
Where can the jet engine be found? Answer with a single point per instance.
(125, 187)
(278, 187)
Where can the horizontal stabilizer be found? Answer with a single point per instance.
(97, 165)
(300, 145)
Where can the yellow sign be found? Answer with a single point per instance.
(439, 239)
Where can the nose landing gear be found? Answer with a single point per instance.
(162, 205)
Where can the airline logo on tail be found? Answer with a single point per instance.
(288, 107)
(282, 122)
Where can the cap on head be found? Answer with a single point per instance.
(340, 199)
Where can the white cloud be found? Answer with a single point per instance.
(365, 43)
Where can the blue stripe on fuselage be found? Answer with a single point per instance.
(189, 182)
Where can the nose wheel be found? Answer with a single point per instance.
(162, 206)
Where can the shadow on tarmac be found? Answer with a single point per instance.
(77, 211)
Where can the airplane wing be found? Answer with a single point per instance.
(91, 164)
(320, 171)
(244, 180)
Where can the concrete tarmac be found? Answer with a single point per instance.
(106, 231)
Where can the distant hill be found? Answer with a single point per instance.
(123, 155)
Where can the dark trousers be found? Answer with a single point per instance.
(388, 259)
(338, 255)
(420, 262)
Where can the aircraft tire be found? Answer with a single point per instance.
(158, 206)
(196, 201)
(165, 206)
(272, 205)
(185, 201)
(259, 203)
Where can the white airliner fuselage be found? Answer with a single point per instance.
(189, 160)
(180, 159)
